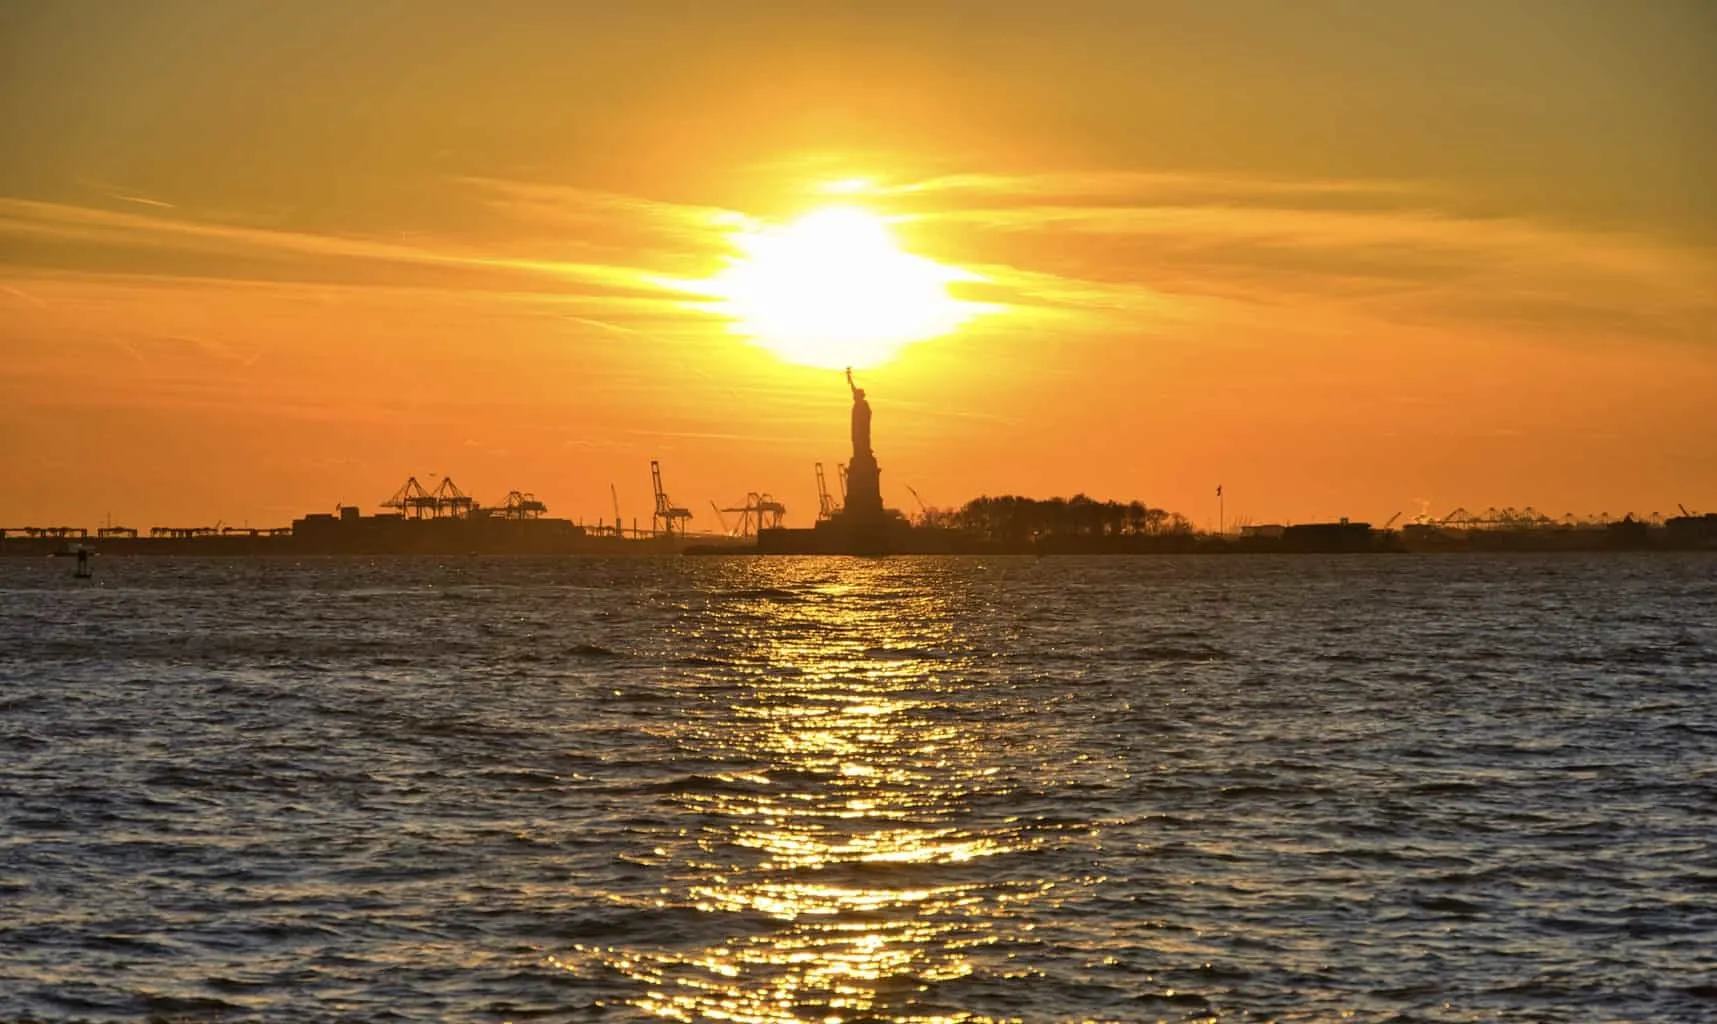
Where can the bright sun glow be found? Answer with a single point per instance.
(833, 289)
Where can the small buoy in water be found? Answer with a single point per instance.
(83, 571)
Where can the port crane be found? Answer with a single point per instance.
(923, 513)
(521, 505)
(726, 530)
(451, 500)
(183, 532)
(841, 469)
(1510, 518)
(413, 500)
(826, 507)
(666, 513)
(60, 532)
(619, 529)
(760, 512)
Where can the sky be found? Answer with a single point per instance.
(1343, 259)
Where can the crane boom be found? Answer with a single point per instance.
(826, 507)
(726, 529)
(923, 513)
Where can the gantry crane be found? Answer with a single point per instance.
(417, 502)
(826, 507)
(666, 515)
(412, 500)
(520, 505)
(452, 501)
(760, 512)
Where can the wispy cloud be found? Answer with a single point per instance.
(24, 296)
(141, 200)
(1111, 251)
(123, 229)
(1131, 246)
(547, 206)
(1083, 188)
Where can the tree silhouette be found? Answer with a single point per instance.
(1014, 519)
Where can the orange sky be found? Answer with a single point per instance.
(1344, 258)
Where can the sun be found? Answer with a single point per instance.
(835, 289)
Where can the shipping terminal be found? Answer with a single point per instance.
(416, 521)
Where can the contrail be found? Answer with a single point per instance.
(142, 200)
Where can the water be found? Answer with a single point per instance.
(770, 790)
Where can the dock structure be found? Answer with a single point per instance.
(440, 519)
(49, 532)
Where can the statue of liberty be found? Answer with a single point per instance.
(864, 477)
(861, 418)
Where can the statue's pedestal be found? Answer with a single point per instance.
(864, 488)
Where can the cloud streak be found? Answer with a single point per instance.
(1126, 245)
(134, 230)
(1103, 251)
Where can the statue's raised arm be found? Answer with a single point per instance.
(850, 383)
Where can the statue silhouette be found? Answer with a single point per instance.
(864, 477)
(861, 418)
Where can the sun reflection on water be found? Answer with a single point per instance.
(835, 861)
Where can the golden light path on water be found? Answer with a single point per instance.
(838, 854)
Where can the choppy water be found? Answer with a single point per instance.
(770, 790)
